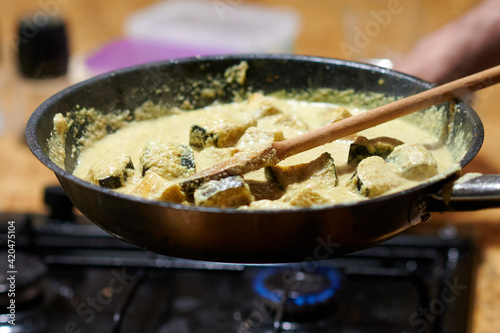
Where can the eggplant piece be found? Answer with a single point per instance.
(290, 125)
(255, 136)
(414, 161)
(154, 187)
(220, 135)
(221, 130)
(333, 115)
(320, 172)
(111, 174)
(187, 158)
(374, 177)
(260, 106)
(226, 192)
(265, 190)
(362, 148)
(199, 137)
(266, 110)
(167, 159)
(290, 121)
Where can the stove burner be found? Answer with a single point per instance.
(297, 294)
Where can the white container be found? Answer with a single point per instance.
(228, 25)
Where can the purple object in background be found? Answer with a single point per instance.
(128, 52)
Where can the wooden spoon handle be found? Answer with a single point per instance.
(387, 112)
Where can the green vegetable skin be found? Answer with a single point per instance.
(362, 148)
(115, 174)
(227, 192)
(169, 160)
(200, 138)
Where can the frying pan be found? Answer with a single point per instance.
(262, 236)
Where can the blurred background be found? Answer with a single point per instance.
(94, 36)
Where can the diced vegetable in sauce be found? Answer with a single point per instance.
(154, 187)
(167, 159)
(334, 115)
(254, 137)
(414, 161)
(200, 137)
(321, 173)
(111, 173)
(362, 148)
(219, 131)
(177, 145)
(259, 106)
(227, 192)
(374, 177)
(265, 190)
(287, 120)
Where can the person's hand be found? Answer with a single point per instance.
(462, 47)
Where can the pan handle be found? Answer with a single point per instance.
(473, 194)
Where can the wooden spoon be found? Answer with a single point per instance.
(277, 151)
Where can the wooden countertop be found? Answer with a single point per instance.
(94, 22)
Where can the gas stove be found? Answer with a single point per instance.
(73, 277)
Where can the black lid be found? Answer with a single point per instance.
(42, 47)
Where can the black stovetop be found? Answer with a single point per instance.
(72, 277)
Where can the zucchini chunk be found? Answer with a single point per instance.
(226, 192)
(374, 177)
(167, 159)
(155, 187)
(320, 172)
(362, 148)
(111, 174)
(414, 161)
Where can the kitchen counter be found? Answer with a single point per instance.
(94, 22)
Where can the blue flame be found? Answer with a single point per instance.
(331, 275)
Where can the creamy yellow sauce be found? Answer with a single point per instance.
(257, 121)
